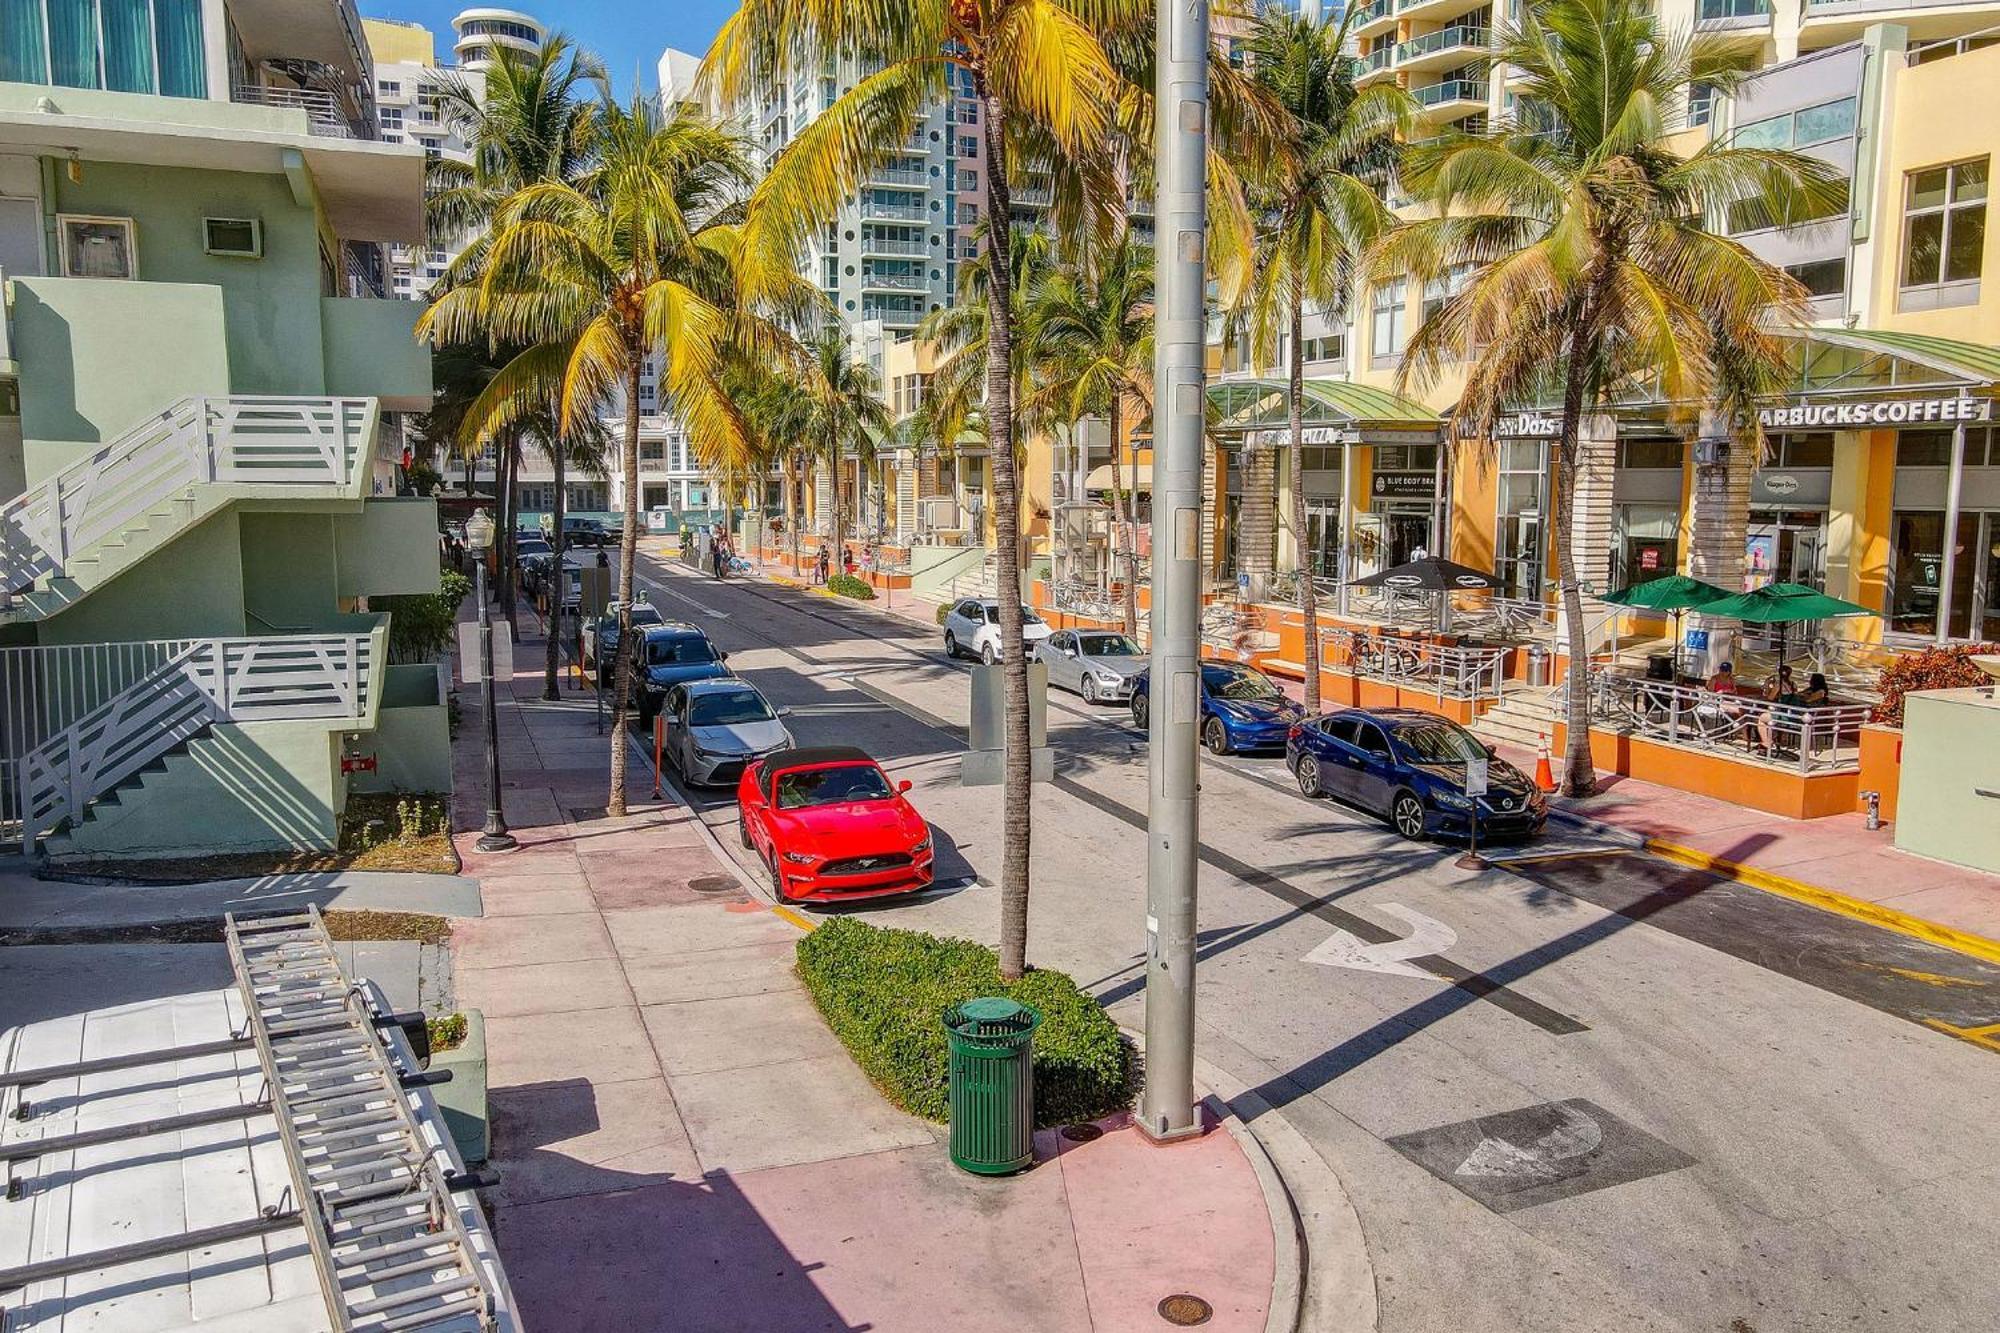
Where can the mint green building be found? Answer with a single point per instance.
(199, 376)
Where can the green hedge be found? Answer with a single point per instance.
(846, 585)
(944, 609)
(884, 993)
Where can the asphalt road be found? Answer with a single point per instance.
(1595, 1091)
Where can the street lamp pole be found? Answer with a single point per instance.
(479, 539)
(1167, 1107)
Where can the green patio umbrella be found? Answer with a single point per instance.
(1676, 593)
(1783, 604)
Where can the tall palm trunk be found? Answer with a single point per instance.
(1128, 537)
(793, 507)
(1295, 418)
(836, 526)
(1579, 768)
(559, 592)
(628, 459)
(1017, 770)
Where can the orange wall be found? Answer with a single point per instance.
(1792, 795)
(1475, 500)
(1881, 767)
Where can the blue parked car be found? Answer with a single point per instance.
(1240, 708)
(670, 654)
(1409, 766)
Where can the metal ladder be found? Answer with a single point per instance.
(367, 1186)
(385, 1232)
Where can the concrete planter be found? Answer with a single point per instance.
(463, 1100)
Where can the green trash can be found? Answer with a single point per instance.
(992, 1085)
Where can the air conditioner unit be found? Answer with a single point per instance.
(1711, 451)
(235, 238)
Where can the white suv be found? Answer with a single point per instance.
(973, 626)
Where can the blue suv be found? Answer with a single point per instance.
(1240, 708)
(667, 655)
(1409, 766)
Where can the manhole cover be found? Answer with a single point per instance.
(1083, 1133)
(712, 884)
(1185, 1311)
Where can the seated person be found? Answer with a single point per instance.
(1779, 689)
(1724, 680)
(1815, 694)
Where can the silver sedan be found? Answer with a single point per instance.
(716, 727)
(1098, 664)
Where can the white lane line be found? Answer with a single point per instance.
(659, 587)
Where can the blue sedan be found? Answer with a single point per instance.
(1409, 766)
(1240, 708)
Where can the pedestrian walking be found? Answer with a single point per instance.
(820, 570)
(721, 554)
(847, 560)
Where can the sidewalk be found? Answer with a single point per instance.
(682, 1144)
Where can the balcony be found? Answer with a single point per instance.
(1451, 97)
(1435, 10)
(874, 210)
(1371, 18)
(871, 244)
(894, 282)
(1032, 196)
(1730, 15)
(325, 117)
(1374, 66)
(1443, 49)
(900, 178)
(899, 315)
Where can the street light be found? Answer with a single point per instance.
(478, 541)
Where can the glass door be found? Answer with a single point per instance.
(1987, 591)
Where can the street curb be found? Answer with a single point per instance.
(1827, 900)
(1813, 895)
(1330, 1287)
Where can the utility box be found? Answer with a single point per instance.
(1948, 806)
(985, 760)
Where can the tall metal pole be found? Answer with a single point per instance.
(1167, 1107)
(495, 838)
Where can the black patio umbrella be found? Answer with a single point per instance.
(1430, 574)
(1437, 577)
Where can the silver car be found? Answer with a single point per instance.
(716, 727)
(1098, 664)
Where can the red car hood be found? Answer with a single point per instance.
(854, 828)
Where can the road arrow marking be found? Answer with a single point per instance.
(1427, 936)
(1576, 1136)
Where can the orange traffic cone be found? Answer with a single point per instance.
(1545, 778)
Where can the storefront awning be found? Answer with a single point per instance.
(1101, 479)
(1263, 404)
(1859, 360)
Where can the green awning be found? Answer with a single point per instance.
(1832, 360)
(1263, 404)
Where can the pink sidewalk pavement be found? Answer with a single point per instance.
(682, 1143)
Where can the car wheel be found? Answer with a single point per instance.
(1308, 776)
(988, 656)
(743, 829)
(777, 880)
(1139, 711)
(1215, 736)
(1406, 812)
(950, 645)
(1089, 690)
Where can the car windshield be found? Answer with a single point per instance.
(1107, 645)
(831, 786)
(674, 650)
(532, 546)
(727, 709)
(1028, 617)
(1238, 683)
(1437, 743)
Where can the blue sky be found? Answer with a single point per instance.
(620, 31)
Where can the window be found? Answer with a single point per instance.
(391, 117)
(1758, 214)
(1388, 323)
(1944, 225)
(968, 181)
(1442, 288)
(1662, 453)
(968, 146)
(1822, 277)
(1799, 129)
(98, 248)
(1326, 347)
(125, 46)
(965, 113)
(1804, 449)
(388, 88)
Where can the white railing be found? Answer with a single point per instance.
(1825, 739)
(200, 683)
(325, 117)
(1442, 670)
(247, 440)
(889, 245)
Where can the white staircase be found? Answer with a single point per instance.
(1525, 716)
(81, 527)
(110, 752)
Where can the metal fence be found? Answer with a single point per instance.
(1440, 670)
(1824, 739)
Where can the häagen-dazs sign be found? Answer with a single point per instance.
(1527, 426)
(1887, 412)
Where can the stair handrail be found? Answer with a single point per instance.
(271, 677)
(266, 439)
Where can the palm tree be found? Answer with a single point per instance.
(1038, 65)
(1088, 326)
(844, 415)
(1318, 214)
(778, 412)
(1593, 261)
(638, 256)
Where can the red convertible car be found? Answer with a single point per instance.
(830, 825)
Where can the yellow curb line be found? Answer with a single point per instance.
(1874, 914)
(787, 914)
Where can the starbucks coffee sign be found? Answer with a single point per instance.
(1886, 412)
